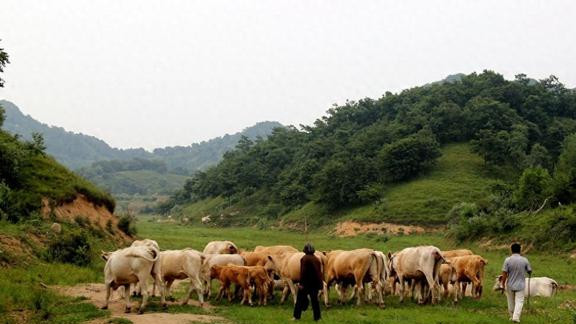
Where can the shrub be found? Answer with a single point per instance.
(126, 224)
(71, 247)
(408, 157)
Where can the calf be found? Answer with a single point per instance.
(448, 276)
(240, 276)
(218, 259)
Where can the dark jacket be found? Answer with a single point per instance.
(311, 272)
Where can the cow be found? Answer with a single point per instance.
(136, 289)
(276, 249)
(448, 277)
(456, 253)
(384, 269)
(220, 247)
(229, 274)
(260, 280)
(181, 264)
(421, 264)
(289, 269)
(355, 268)
(129, 266)
(218, 259)
(469, 269)
(539, 286)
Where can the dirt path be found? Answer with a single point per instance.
(96, 294)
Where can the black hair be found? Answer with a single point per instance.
(308, 249)
(515, 248)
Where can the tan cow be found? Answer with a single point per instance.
(469, 269)
(419, 265)
(129, 266)
(218, 259)
(220, 247)
(275, 249)
(260, 279)
(355, 268)
(178, 265)
(289, 269)
(456, 253)
(448, 277)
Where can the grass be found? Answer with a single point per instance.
(490, 309)
(459, 176)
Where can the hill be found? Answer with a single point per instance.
(74, 150)
(474, 147)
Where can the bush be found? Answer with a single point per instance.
(408, 157)
(72, 248)
(126, 224)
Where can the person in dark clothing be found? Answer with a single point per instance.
(310, 283)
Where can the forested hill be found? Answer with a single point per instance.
(74, 150)
(78, 150)
(360, 152)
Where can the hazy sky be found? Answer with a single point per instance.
(157, 73)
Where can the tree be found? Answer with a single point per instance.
(407, 158)
(492, 146)
(534, 186)
(539, 157)
(565, 174)
(3, 61)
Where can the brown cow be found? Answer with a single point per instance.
(469, 269)
(260, 279)
(230, 274)
(354, 267)
(456, 253)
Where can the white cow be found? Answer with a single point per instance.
(136, 289)
(218, 259)
(129, 266)
(419, 265)
(181, 264)
(221, 247)
(539, 286)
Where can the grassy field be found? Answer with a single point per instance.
(21, 287)
(490, 309)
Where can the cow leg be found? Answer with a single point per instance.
(293, 289)
(128, 306)
(325, 292)
(432, 287)
(144, 291)
(108, 288)
(285, 293)
(402, 284)
(195, 284)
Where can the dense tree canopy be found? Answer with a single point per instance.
(370, 143)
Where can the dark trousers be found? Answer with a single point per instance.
(302, 303)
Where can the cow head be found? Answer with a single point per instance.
(498, 284)
(271, 267)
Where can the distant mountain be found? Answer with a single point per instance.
(74, 150)
(129, 171)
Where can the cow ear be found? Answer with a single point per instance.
(270, 258)
(389, 255)
(324, 252)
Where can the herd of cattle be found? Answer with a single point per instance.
(425, 273)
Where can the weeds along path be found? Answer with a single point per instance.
(96, 294)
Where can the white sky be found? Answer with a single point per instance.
(156, 73)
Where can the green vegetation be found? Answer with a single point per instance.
(379, 160)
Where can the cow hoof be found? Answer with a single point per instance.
(127, 310)
(104, 307)
(382, 306)
(165, 306)
(141, 311)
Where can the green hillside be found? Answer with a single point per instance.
(459, 176)
(475, 151)
(142, 182)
